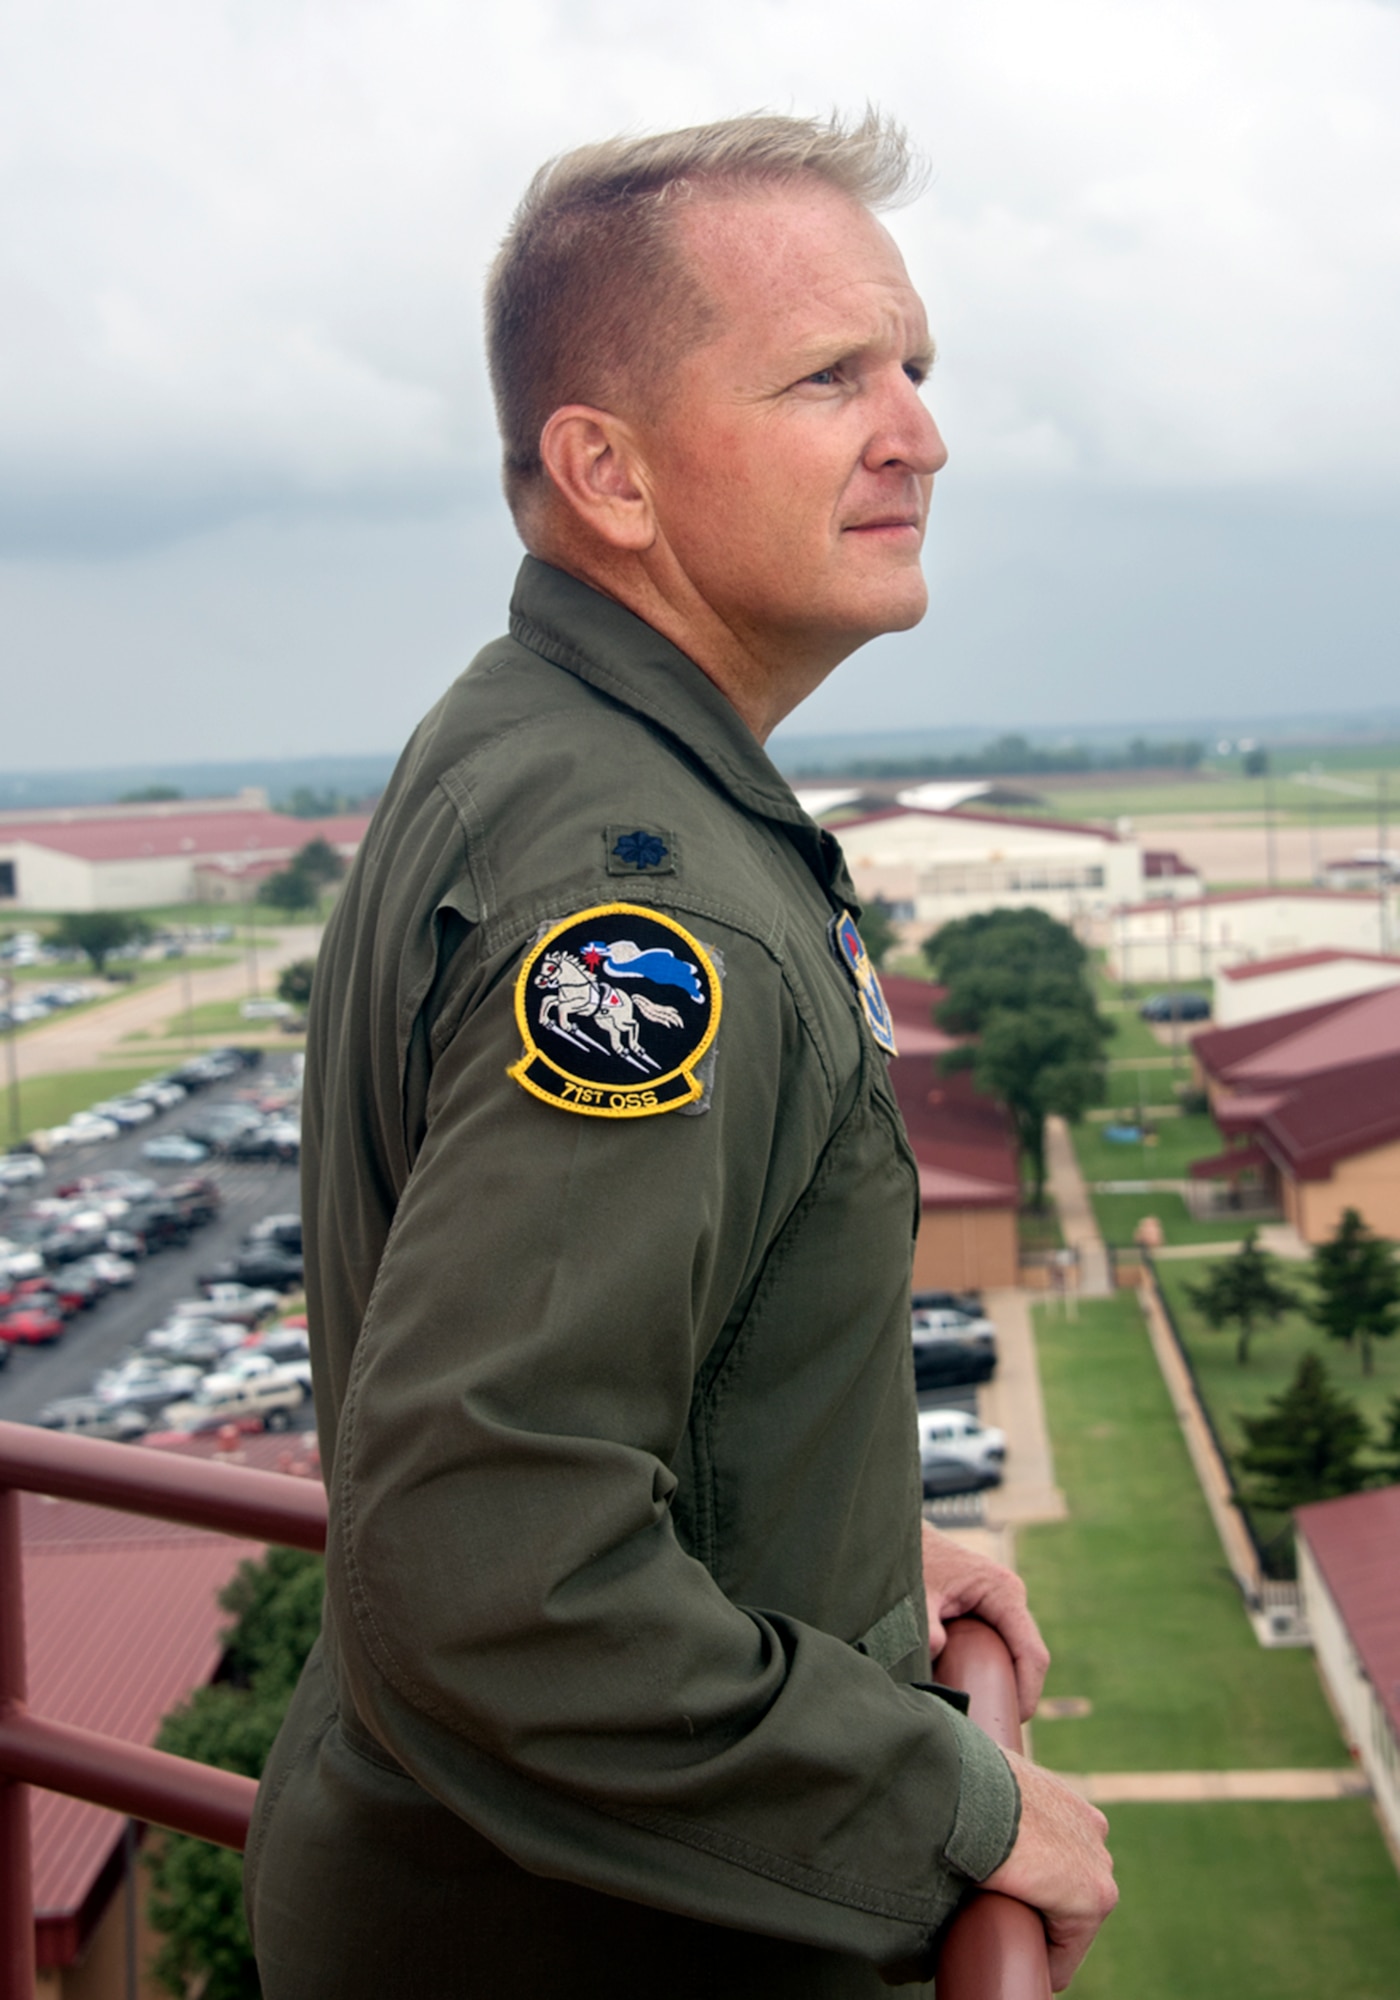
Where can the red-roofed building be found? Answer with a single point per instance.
(1195, 937)
(122, 1623)
(1314, 1097)
(146, 856)
(1349, 1572)
(930, 867)
(1254, 991)
(969, 1172)
(1165, 876)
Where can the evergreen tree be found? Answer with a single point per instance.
(294, 982)
(1357, 1283)
(1305, 1448)
(1390, 1439)
(196, 1890)
(1243, 1291)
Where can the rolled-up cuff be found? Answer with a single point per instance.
(989, 1807)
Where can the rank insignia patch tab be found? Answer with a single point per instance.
(852, 953)
(616, 1006)
(640, 850)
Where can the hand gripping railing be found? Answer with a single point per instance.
(995, 1950)
(995, 1947)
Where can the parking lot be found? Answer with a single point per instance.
(99, 1336)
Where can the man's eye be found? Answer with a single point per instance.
(823, 377)
(916, 372)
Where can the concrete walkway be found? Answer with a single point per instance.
(1280, 1239)
(1077, 1221)
(95, 1037)
(1107, 1788)
(1012, 1401)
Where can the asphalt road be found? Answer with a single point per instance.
(92, 1340)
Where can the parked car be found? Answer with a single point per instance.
(85, 1416)
(30, 1326)
(967, 1303)
(266, 1264)
(232, 1301)
(173, 1149)
(265, 1401)
(945, 1474)
(949, 1350)
(1175, 1007)
(957, 1434)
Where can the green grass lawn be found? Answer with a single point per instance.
(1166, 1157)
(1274, 1354)
(1119, 1214)
(1132, 1036)
(1127, 1085)
(52, 1100)
(1248, 1902)
(1133, 1592)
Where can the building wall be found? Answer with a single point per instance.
(934, 867)
(1369, 1183)
(1194, 941)
(960, 1249)
(45, 879)
(1364, 1721)
(1240, 1000)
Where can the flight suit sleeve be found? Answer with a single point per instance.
(519, 1622)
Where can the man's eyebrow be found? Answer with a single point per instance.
(822, 352)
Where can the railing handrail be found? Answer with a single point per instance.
(262, 1506)
(995, 1947)
(994, 1950)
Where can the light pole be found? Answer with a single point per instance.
(12, 1063)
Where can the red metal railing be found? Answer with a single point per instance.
(995, 1950)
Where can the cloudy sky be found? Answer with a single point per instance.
(248, 498)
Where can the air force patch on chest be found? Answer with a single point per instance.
(850, 949)
(616, 1006)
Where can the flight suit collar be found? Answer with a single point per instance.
(602, 642)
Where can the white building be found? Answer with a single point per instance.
(1348, 1563)
(931, 867)
(1269, 986)
(152, 856)
(1196, 937)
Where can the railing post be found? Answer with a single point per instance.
(16, 1893)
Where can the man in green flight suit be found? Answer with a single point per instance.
(608, 1206)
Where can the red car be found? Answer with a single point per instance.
(30, 1325)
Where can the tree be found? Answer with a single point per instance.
(196, 1892)
(1016, 980)
(1049, 1059)
(877, 933)
(1255, 762)
(1357, 1285)
(1390, 1439)
(289, 890)
(98, 933)
(150, 795)
(1305, 1447)
(1243, 1291)
(294, 984)
(319, 863)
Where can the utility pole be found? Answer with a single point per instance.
(1269, 830)
(12, 1064)
(1382, 860)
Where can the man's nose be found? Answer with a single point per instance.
(907, 436)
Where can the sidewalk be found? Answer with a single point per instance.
(95, 1037)
(1107, 1788)
(1077, 1221)
(1012, 1401)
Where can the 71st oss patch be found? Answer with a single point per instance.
(616, 1006)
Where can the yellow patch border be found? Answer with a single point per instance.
(614, 1100)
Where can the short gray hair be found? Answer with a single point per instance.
(589, 294)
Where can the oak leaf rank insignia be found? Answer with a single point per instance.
(616, 1006)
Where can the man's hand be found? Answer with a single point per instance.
(957, 1582)
(1059, 1865)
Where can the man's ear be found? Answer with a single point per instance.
(593, 463)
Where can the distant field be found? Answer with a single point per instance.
(52, 1100)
